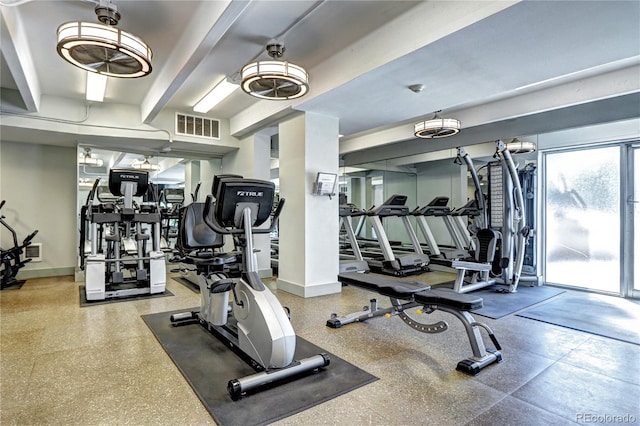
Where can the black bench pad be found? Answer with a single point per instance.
(384, 286)
(447, 297)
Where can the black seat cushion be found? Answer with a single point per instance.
(194, 233)
(384, 286)
(487, 239)
(448, 297)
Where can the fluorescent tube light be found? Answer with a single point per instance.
(96, 86)
(215, 96)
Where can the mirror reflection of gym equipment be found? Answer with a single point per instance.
(122, 266)
(490, 233)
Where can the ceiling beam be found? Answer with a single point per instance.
(560, 94)
(606, 110)
(209, 24)
(421, 25)
(15, 49)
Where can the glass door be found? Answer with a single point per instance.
(633, 204)
(582, 211)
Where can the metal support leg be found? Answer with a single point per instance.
(482, 357)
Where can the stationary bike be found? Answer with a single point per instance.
(254, 325)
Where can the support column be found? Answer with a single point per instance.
(191, 179)
(253, 161)
(208, 169)
(308, 256)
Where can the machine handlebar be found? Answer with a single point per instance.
(30, 237)
(214, 225)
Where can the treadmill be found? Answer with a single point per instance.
(414, 261)
(351, 261)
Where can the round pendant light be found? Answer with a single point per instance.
(145, 165)
(275, 80)
(516, 146)
(436, 128)
(88, 160)
(102, 48)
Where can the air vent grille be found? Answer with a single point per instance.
(34, 252)
(190, 125)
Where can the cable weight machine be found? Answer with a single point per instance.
(502, 210)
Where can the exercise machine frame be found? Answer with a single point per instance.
(405, 295)
(101, 282)
(12, 259)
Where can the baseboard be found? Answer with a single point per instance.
(309, 290)
(45, 273)
(265, 273)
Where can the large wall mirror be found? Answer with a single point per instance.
(176, 181)
(370, 185)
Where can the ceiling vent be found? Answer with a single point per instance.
(201, 127)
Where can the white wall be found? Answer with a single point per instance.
(40, 186)
(601, 133)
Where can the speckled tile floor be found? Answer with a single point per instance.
(100, 365)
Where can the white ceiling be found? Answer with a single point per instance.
(477, 60)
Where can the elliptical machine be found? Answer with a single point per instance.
(116, 273)
(254, 325)
(11, 260)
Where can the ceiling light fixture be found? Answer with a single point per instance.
(85, 183)
(88, 160)
(145, 165)
(516, 146)
(96, 86)
(275, 80)
(436, 127)
(102, 48)
(215, 96)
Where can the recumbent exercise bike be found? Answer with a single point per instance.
(254, 325)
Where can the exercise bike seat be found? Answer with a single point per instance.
(384, 286)
(448, 297)
(204, 259)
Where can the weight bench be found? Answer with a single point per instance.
(405, 295)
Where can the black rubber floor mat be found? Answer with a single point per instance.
(84, 302)
(607, 316)
(188, 284)
(207, 364)
(497, 305)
